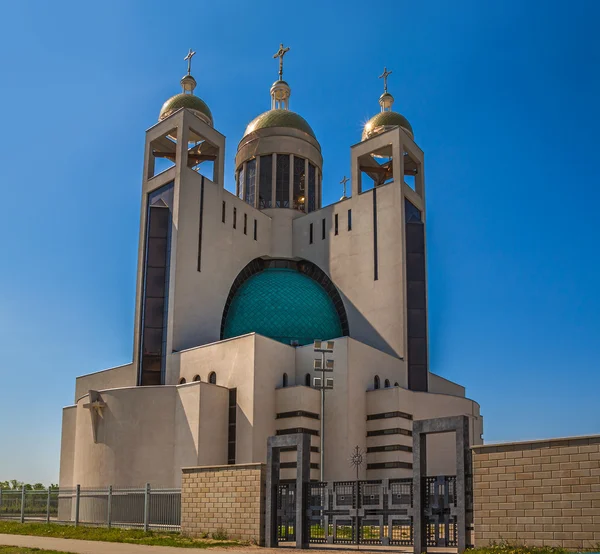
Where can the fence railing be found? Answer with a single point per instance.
(144, 508)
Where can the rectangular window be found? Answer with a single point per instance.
(232, 426)
(240, 183)
(245, 224)
(250, 182)
(336, 224)
(282, 182)
(234, 217)
(312, 195)
(255, 229)
(223, 211)
(299, 185)
(323, 229)
(349, 220)
(156, 286)
(310, 234)
(265, 182)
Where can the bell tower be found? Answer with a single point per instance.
(388, 154)
(182, 150)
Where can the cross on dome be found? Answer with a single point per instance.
(188, 59)
(279, 54)
(385, 76)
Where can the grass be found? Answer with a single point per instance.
(23, 550)
(131, 536)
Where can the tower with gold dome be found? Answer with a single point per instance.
(233, 289)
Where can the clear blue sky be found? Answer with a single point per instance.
(504, 100)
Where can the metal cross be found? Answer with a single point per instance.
(356, 459)
(384, 76)
(280, 53)
(343, 183)
(188, 59)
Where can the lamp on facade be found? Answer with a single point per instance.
(323, 383)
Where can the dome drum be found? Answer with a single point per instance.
(279, 168)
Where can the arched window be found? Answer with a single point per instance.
(307, 379)
(396, 384)
(387, 383)
(285, 380)
(197, 378)
(212, 378)
(376, 382)
(182, 381)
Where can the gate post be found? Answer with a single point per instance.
(422, 428)
(274, 445)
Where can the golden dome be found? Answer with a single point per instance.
(280, 118)
(189, 101)
(384, 121)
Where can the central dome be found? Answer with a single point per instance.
(285, 305)
(279, 118)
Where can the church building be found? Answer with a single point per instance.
(266, 313)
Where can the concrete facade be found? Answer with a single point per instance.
(542, 493)
(125, 431)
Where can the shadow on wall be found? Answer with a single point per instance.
(362, 330)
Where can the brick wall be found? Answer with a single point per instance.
(539, 493)
(224, 498)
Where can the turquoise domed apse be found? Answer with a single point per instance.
(284, 305)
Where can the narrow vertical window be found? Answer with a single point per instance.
(312, 195)
(255, 230)
(336, 224)
(310, 234)
(232, 426)
(265, 182)
(250, 188)
(245, 224)
(299, 185)
(223, 208)
(234, 217)
(285, 379)
(376, 384)
(349, 220)
(282, 182)
(323, 229)
(153, 348)
(240, 183)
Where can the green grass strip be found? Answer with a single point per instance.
(132, 536)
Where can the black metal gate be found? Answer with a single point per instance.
(440, 497)
(375, 512)
(286, 512)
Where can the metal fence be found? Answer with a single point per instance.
(373, 512)
(143, 508)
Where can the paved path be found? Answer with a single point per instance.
(97, 547)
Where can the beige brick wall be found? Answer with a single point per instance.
(538, 493)
(224, 498)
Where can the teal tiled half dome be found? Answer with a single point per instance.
(285, 305)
